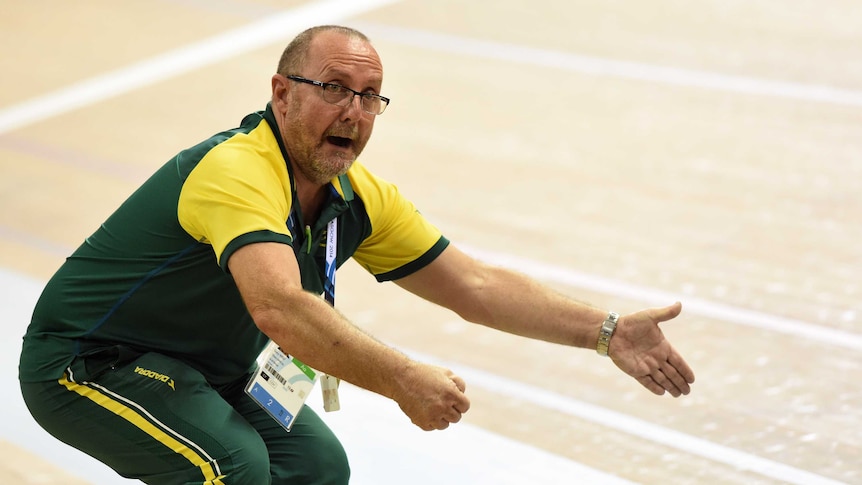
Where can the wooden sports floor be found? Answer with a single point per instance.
(627, 153)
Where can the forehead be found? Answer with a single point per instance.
(334, 53)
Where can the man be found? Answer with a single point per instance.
(141, 346)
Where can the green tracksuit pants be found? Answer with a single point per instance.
(156, 419)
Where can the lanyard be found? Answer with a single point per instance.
(329, 384)
(330, 257)
(329, 267)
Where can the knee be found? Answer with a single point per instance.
(332, 465)
(246, 465)
(322, 463)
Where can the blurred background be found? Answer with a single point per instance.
(629, 154)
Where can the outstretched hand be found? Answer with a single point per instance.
(640, 349)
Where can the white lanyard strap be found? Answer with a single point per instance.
(329, 384)
(329, 267)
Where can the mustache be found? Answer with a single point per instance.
(343, 132)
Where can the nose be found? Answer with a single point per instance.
(353, 109)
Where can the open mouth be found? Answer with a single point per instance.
(339, 141)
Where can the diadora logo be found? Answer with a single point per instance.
(155, 375)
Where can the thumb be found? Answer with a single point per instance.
(667, 313)
(462, 386)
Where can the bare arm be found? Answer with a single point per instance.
(511, 302)
(303, 324)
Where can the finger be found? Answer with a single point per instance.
(423, 427)
(681, 366)
(650, 384)
(459, 382)
(666, 382)
(442, 424)
(453, 416)
(462, 404)
(678, 381)
(680, 386)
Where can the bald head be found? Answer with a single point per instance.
(295, 55)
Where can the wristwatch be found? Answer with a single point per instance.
(608, 327)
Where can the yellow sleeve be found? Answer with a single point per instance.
(238, 188)
(401, 239)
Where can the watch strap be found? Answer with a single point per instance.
(606, 332)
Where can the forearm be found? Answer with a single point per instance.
(306, 327)
(511, 302)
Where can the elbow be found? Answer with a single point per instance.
(272, 316)
(267, 319)
(469, 313)
(283, 318)
(471, 303)
(474, 315)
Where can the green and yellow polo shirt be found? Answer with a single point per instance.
(154, 275)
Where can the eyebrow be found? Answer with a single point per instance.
(337, 76)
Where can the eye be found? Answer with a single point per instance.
(333, 88)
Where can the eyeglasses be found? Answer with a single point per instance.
(342, 96)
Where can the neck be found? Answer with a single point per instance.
(311, 196)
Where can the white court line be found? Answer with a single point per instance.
(261, 33)
(494, 460)
(617, 288)
(372, 428)
(279, 26)
(463, 46)
(713, 310)
(667, 75)
(383, 447)
(630, 425)
(272, 28)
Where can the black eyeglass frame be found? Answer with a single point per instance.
(361, 95)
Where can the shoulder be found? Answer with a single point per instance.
(363, 178)
(376, 192)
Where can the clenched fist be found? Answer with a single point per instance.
(432, 397)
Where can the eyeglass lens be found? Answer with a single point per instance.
(341, 96)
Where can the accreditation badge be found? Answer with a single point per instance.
(281, 384)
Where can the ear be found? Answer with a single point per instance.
(280, 90)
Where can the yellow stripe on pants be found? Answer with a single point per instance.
(147, 427)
